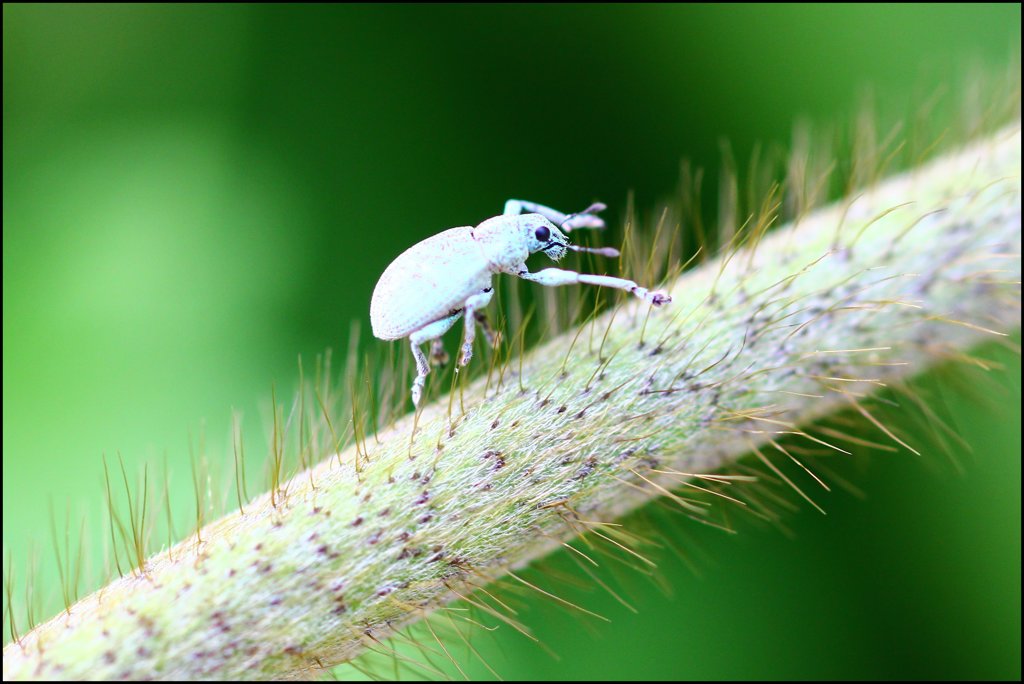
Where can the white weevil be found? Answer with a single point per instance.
(423, 292)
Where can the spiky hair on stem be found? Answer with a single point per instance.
(391, 518)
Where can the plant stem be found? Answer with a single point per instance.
(791, 326)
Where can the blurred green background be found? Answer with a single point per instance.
(195, 195)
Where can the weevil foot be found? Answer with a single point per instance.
(658, 297)
(438, 355)
(654, 297)
(417, 391)
(467, 354)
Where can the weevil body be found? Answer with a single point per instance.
(425, 291)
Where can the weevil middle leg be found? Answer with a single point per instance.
(477, 301)
(431, 331)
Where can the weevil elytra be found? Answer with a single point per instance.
(423, 292)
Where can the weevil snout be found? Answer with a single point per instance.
(555, 250)
(555, 244)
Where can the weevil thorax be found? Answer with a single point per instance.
(507, 241)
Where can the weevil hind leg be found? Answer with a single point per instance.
(422, 369)
(438, 355)
(473, 304)
(490, 334)
(429, 332)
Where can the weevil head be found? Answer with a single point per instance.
(508, 240)
(542, 235)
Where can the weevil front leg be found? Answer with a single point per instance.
(477, 301)
(431, 331)
(553, 277)
(587, 218)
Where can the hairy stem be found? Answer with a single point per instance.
(783, 329)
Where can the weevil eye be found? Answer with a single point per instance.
(543, 234)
